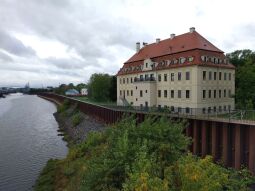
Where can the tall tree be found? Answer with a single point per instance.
(99, 87)
(244, 60)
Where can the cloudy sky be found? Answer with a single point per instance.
(48, 42)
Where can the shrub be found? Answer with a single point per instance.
(63, 107)
(76, 119)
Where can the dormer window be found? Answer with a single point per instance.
(182, 60)
(146, 65)
(175, 61)
(203, 58)
(190, 59)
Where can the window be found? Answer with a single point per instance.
(187, 94)
(165, 77)
(215, 76)
(141, 77)
(131, 92)
(136, 87)
(225, 108)
(120, 93)
(187, 110)
(204, 92)
(214, 109)
(172, 76)
(187, 75)
(225, 93)
(204, 75)
(182, 60)
(210, 75)
(127, 92)
(179, 76)
(229, 93)
(172, 108)
(159, 93)
(123, 80)
(146, 65)
(146, 91)
(229, 76)
(159, 77)
(120, 80)
(220, 108)
(225, 76)
(165, 93)
(219, 75)
(219, 93)
(214, 93)
(131, 79)
(172, 93)
(141, 93)
(203, 110)
(127, 80)
(209, 94)
(209, 109)
(136, 99)
(179, 94)
(146, 76)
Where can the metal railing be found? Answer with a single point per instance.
(146, 79)
(244, 116)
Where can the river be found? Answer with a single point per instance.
(28, 139)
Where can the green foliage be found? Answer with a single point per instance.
(76, 118)
(145, 157)
(193, 173)
(244, 60)
(47, 177)
(63, 107)
(102, 87)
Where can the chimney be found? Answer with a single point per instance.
(157, 40)
(172, 36)
(137, 46)
(191, 29)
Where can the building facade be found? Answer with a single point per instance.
(184, 72)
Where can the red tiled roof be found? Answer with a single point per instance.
(184, 42)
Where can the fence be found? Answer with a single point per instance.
(230, 141)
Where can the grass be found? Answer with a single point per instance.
(88, 100)
(76, 118)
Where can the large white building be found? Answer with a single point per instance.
(185, 71)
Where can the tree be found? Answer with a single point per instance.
(113, 88)
(244, 60)
(99, 87)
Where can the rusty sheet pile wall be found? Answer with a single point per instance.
(231, 143)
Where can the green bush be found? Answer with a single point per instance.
(63, 107)
(76, 119)
(145, 157)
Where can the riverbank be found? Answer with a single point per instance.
(55, 174)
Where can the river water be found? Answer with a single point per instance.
(28, 139)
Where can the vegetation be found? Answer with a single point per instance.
(76, 118)
(244, 60)
(145, 157)
(63, 107)
(102, 87)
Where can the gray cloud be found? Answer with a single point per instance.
(14, 46)
(5, 58)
